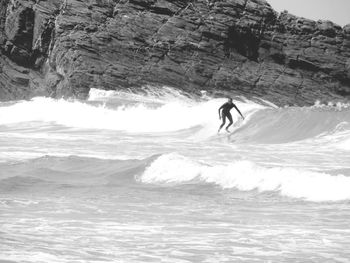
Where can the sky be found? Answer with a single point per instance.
(337, 11)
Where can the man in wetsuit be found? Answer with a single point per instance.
(226, 113)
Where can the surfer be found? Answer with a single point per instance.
(225, 113)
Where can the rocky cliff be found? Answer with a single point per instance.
(65, 47)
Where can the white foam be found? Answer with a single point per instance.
(149, 94)
(247, 176)
(331, 105)
(139, 117)
(98, 94)
(344, 145)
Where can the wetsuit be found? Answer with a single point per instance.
(226, 114)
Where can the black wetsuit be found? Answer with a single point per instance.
(226, 111)
(226, 114)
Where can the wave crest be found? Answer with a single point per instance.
(135, 118)
(247, 176)
(166, 110)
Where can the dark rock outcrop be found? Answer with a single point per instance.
(242, 47)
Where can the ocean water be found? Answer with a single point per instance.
(145, 177)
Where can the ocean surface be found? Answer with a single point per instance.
(126, 177)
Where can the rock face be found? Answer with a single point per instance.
(240, 47)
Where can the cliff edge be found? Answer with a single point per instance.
(65, 47)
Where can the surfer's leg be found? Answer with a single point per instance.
(229, 117)
(223, 122)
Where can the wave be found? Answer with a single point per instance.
(175, 169)
(129, 114)
(168, 110)
(285, 125)
(72, 171)
(338, 138)
(148, 94)
(171, 170)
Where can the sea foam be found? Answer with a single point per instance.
(246, 176)
(138, 117)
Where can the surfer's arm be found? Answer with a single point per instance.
(239, 112)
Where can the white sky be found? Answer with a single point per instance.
(337, 11)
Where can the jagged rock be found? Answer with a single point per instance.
(238, 47)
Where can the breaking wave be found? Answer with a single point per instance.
(170, 170)
(247, 176)
(170, 111)
(129, 114)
